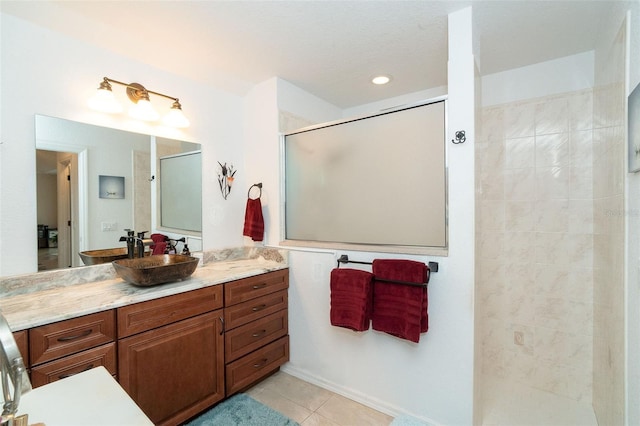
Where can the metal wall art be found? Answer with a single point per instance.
(225, 178)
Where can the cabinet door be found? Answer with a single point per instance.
(175, 371)
(22, 340)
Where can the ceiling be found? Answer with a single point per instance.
(328, 48)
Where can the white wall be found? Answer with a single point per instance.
(432, 380)
(44, 72)
(563, 75)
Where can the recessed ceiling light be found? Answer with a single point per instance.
(381, 79)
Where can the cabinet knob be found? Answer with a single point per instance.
(259, 307)
(262, 363)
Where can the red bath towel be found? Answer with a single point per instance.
(398, 309)
(351, 298)
(253, 221)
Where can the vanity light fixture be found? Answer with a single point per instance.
(105, 101)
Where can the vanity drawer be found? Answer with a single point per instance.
(133, 319)
(253, 367)
(249, 337)
(251, 310)
(59, 339)
(68, 366)
(259, 285)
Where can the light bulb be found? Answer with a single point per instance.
(143, 110)
(104, 100)
(175, 117)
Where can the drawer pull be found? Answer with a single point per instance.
(259, 307)
(74, 337)
(64, 376)
(258, 286)
(259, 333)
(261, 363)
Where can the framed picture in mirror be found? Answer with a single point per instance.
(111, 187)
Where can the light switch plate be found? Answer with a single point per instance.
(109, 226)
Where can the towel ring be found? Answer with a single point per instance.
(259, 186)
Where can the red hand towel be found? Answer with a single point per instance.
(351, 298)
(158, 238)
(159, 243)
(253, 221)
(158, 248)
(398, 309)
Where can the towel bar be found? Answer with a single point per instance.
(433, 267)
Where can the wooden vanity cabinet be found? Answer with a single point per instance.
(22, 341)
(178, 355)
(256, 328)
(68, 347)
(171, 354)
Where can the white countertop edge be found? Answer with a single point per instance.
(90, 398)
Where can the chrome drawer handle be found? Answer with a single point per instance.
(261, 363)
(259, 333)
(258, 308)
(64, 376)
(257, 286)
(77, 336)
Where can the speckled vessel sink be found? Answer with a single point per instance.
(154, 270)
(96, 257)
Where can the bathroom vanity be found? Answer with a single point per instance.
(175, 348)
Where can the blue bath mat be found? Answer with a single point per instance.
(241, 410)
(404, 420)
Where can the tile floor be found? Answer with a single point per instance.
(311, 405)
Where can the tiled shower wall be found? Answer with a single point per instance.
(609, 170)
(534, 243)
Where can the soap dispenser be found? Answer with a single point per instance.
(185, 250)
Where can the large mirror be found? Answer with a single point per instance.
(94, 182)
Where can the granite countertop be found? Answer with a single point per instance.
(46, 304)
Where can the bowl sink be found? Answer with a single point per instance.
(96, 257)
(158, 269)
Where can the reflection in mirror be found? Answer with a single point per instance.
(72, 216)
(181, 178)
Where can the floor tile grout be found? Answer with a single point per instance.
(342, 413)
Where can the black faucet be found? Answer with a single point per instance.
(141, 241)
(172, 243)
(131, 242)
